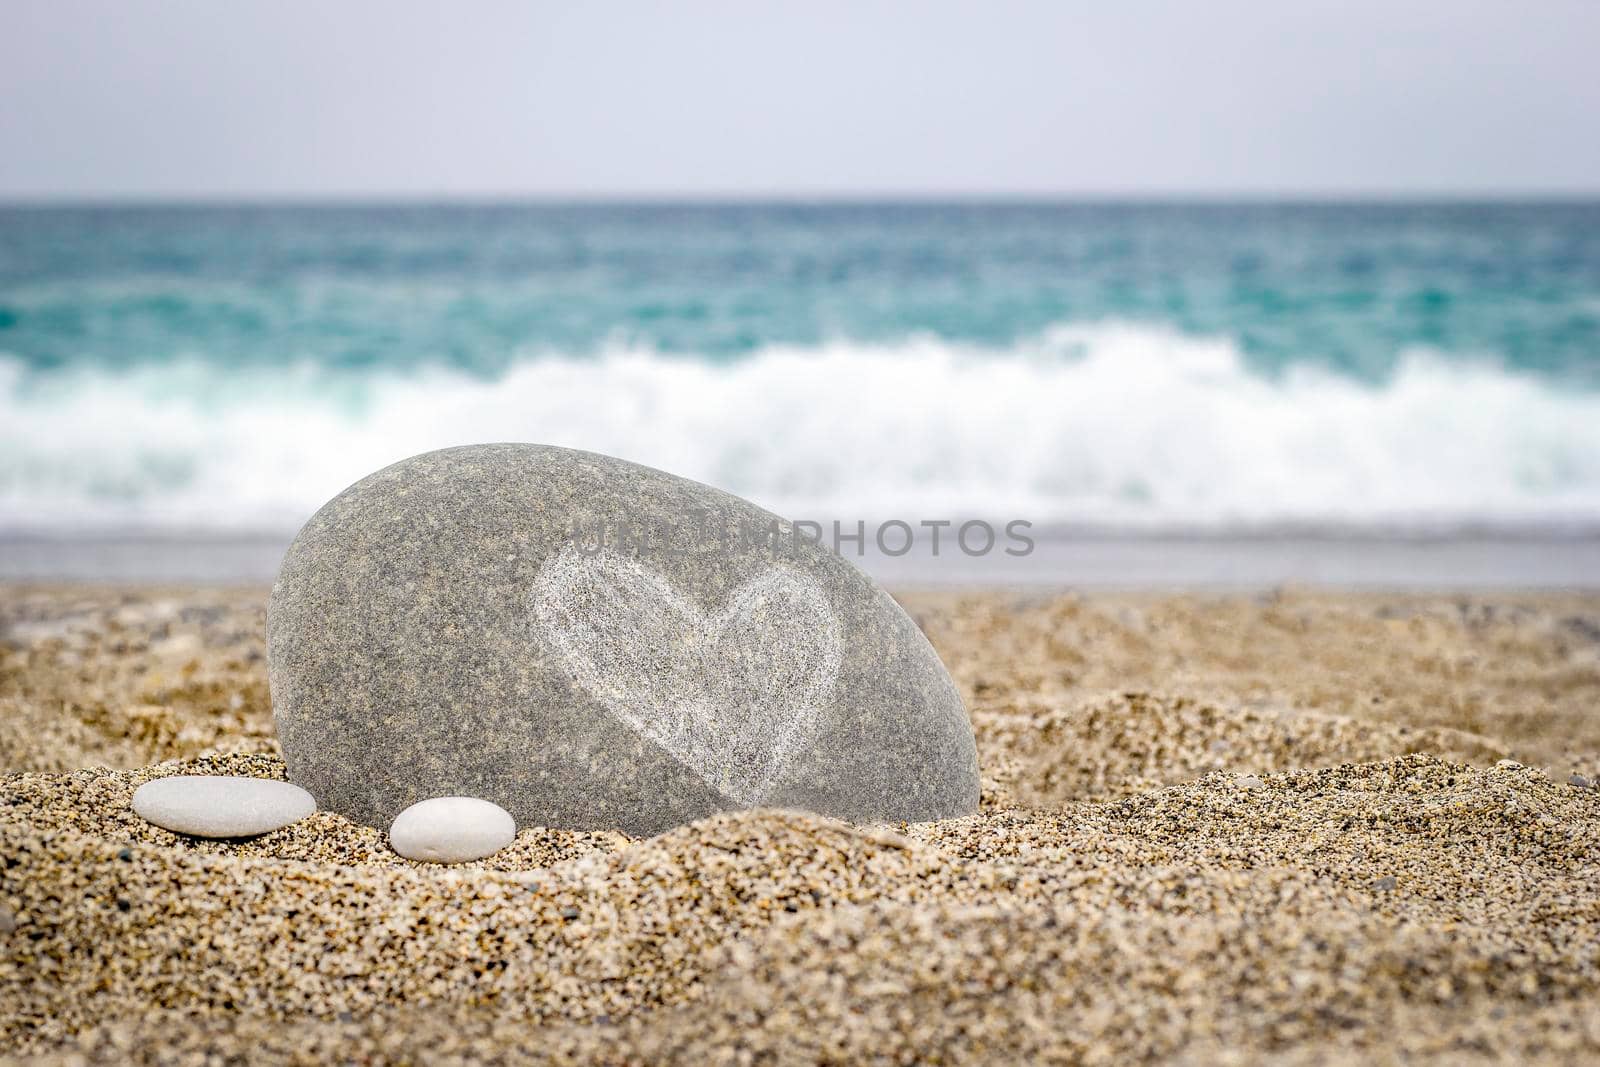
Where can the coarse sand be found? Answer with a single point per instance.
(1296, 828)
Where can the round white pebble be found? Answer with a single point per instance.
(207, 805)
(451, 830)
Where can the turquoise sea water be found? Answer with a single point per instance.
(1163, 364)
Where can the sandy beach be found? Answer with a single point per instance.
(874, 537)
(1294, 826)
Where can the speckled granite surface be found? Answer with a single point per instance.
(594, 644)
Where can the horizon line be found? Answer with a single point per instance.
(666, 198)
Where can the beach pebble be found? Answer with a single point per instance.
(451, 830)
(221, 806)
(595, 645)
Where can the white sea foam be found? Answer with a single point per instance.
(1103, 424)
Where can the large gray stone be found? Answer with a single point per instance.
(591, 644)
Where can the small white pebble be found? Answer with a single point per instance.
(451, 830)
(214, 805)
(1249, 781)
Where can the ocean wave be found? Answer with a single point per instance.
(1106, 424)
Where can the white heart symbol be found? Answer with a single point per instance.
(732, 696)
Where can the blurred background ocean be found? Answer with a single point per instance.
(1315, 288)
(1204, 366)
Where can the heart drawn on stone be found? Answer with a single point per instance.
(733, 695)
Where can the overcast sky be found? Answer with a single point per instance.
(809, 97)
